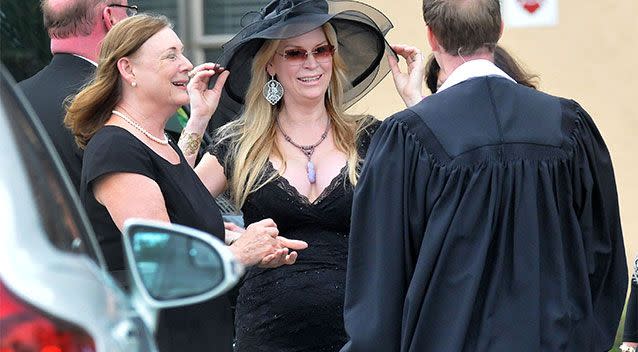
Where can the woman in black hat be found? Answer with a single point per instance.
(292, 154)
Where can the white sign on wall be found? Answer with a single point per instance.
(530, 13)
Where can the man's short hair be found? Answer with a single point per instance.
(464, 26)
(74, 19)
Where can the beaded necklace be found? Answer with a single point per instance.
(140, 128)
(308, 150)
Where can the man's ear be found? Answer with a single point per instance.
(434, 43)
(125, 66)
(108, 18)
(502, 27)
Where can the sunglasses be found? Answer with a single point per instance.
(298, 56)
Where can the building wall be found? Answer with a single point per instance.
(589, 56)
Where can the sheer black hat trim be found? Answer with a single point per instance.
(360, 31)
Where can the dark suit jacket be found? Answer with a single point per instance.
(46, 91)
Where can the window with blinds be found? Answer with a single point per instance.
(221, 19)
(224, 16)
(167, 8)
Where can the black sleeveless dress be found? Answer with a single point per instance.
(297, 307)
(197, 327)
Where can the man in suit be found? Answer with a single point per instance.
(486, 215)
(76, 29)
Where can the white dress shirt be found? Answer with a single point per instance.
(472, 69)
(89, 60)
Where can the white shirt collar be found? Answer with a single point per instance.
(89, 60)
(472, 69)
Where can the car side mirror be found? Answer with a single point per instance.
(171, 265)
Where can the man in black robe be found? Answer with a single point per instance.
(486, 216)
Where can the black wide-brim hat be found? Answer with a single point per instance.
(360, 30)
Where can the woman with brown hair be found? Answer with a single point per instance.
(434, 78)
(131, 169)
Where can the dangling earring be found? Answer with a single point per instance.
(133, 84)
(273, 91)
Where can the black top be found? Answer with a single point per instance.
(114, 149)
(630, 333)
(46, 91)
(297, 307)
(486, 219)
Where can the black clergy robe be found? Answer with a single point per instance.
(486, 219)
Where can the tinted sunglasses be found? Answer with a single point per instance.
(298, 56)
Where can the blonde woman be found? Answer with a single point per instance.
(293, 155)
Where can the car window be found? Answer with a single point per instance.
(58, 210)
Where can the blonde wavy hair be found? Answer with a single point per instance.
(91, 107)
(251, 138)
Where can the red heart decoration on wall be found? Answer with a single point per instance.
(530, 6)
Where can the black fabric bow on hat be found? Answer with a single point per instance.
(277, 10)
(360, 30)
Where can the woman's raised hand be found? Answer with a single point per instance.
(204, 101)
(409, 84)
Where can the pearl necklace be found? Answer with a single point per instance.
(308, 150)
(141, 129)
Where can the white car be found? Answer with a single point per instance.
(55, 291)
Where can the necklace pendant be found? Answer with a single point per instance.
(312, 174)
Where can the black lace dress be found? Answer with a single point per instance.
(297, 307)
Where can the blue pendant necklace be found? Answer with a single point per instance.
(307, 150)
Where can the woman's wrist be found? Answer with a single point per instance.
(196, 123)
(238, 253)
(412, 100)
(231, 237)
(189, 142)
(191, 137)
